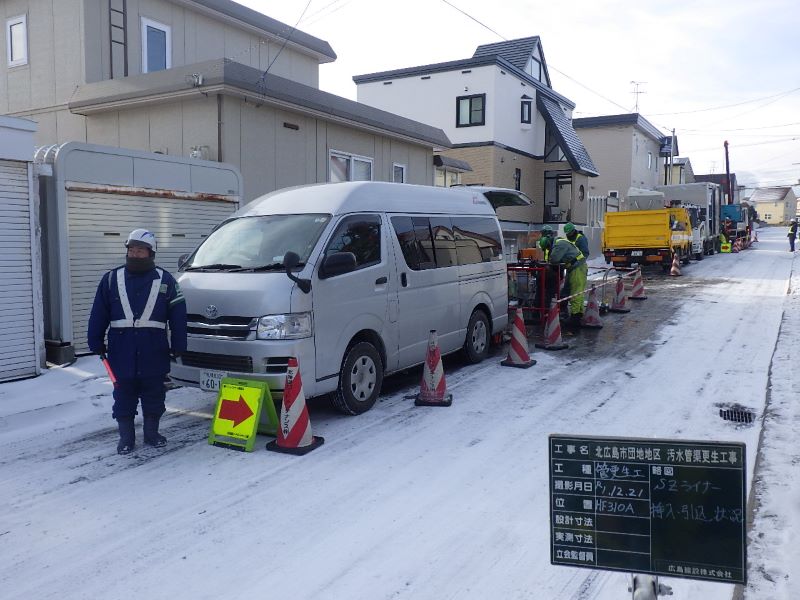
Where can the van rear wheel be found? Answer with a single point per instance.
(476, 346)
(360, 380)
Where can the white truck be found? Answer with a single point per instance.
(702, 200)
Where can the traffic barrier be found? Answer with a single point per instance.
(637, 289)
(675, 271)
(591, 318)
(737, 245)
(433, 388)
(552, 330)
(620, 303)
(518, 348)
(294, 429)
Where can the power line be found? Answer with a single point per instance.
(688, 112)
(262, 79)
(469, 16)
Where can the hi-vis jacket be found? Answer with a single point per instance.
(136, 308)
(566, 252)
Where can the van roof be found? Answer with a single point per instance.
(369, 196)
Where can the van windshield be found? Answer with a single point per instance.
(258, 243)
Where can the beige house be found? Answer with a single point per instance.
(775, 205)
(627, 150)
(507, 126)
(204, 78)
(681, 172)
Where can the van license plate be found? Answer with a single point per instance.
(636, 253)
(209, 380)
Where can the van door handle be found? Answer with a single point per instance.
(381, 280)
(403, 280)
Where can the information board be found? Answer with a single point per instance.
(664, 507)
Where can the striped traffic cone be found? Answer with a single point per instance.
(433, 388)
(294, 430)
(518, 348)
(591, 318)
(675, 270)
(637, 290)
(552, 330)
(620, 303)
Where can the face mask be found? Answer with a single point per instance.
(139, 265)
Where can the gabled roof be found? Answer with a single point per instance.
(225, 76)
(517, 52)
(718, 178)
(773, 194)
(568, 140)
(253, 18)
(634, 119)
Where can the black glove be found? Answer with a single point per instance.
(102, 351)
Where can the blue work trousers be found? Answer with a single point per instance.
(127, 393)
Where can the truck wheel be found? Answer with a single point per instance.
(666, 267)
(476, 346)
(698, 256)
(685, 258)
(359, 381)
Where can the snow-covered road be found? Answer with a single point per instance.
(407, 502)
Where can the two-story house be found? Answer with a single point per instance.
(775, 205)
(504, 120)
(682, 172)
(627, 150)
(204, 78)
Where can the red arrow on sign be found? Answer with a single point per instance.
(235, 410)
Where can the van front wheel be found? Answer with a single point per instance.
(476, 346)
(359, 381)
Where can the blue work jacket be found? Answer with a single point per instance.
(138, 351)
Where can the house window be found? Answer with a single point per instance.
(156, 46)
(445, 178)
(349, 167)
(552, 151)
(17, 41)
(471, 110)
(649, 160)
(525, 111)
(535, 69)
(518, 179)
(399, 173)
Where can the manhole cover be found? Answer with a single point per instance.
(737, 415)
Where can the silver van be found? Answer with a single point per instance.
(349, 278)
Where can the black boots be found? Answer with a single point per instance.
(127, 436)
(151, 435)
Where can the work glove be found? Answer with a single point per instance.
(102, 351)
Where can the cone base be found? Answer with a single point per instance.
(446, 401)
(316, 442)
(619, 310)
(524, 365)
(553, 347)
(591, 326)
(637, 297)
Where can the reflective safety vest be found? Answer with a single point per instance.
(578, 258)
(145, 320)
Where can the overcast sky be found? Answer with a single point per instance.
(711, 69)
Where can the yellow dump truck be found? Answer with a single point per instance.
(647, 237)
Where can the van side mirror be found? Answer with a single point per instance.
(337, 263)
(182, 260)
(290, 261)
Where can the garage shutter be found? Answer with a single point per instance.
(99, 224)
(17, 350)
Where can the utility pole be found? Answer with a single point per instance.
(636, 93)
(728, 174)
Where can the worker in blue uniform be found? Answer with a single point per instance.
(137, 304)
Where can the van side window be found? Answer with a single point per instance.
(477, 240)
(444, 244)
(422, 231)
(361, 235)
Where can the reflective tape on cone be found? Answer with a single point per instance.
(518, 347)
(294, 428)
(675, 271)
(552, 330)
(433, 388)
(637, 290)
(591, 318)
(620, 303)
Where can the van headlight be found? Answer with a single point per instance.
(284, 327)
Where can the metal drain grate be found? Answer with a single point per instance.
(737, 415)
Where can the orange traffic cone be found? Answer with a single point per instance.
(675, 271)
(518, 349)
(433, 388)
(591, 318)
(637, 290)
(294, 430)
(552, 330)
(620, 303)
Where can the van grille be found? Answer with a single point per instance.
(218, 362)
(235, 328)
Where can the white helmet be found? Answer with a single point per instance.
(142, 236)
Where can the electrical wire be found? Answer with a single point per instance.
(262, 79)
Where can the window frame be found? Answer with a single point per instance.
(471, 97)
(526, 104)
(403, 169)
(370, 218)
(350, 157)
(167, 29)
(11, 22)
